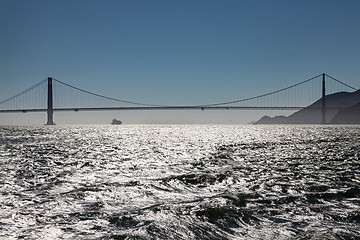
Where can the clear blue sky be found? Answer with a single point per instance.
(177, 52)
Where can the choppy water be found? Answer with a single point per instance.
(180, 182)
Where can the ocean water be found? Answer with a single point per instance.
(180, 182)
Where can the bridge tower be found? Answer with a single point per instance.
(323, 102)
(50, 103)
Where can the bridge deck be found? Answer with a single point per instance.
(161, 108)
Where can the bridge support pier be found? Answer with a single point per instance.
(50, 110)
(323, 102)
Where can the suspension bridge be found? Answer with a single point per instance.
(51, 95)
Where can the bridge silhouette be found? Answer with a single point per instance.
(50, 95)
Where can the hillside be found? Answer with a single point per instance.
(350, 115)
(312, 113)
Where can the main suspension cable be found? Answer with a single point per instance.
(109, 98)
(23, 92)
(263, 95)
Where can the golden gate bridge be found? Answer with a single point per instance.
(50, 95)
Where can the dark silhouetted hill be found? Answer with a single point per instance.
(350, 115)
(312, 114)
